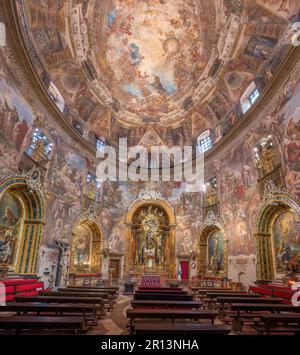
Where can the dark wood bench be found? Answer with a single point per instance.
(230, 300)
(202, 290)
(103, 295)
(180, 292)
(279, 323)
(252, 312)
(212, 296)
(133, 314)
(162, 297)
(98, 303)
(166, 304)
(106, 297)
(87, 311)
(115, 288)
(181, 329)
(159, 288)
(89, 289)
(19, 323)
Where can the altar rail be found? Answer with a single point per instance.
(209, 282)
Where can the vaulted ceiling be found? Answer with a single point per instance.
(154, 70)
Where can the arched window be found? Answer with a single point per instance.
(249, 97)
(40, 146)
(204, 142)
(100, 144)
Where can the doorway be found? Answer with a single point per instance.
(114, 266)
(185, 266)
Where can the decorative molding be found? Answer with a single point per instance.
(272, 191)
(212, 220)
(91, 213)
(33, 179)
(147, 194)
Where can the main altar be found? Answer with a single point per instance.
(150, 240)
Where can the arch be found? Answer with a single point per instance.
(279, 203)
(89, 224)
(32, 226)
(206, 231)
(129, 242)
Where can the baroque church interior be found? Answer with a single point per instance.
(116, 256)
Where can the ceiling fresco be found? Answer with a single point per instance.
(156, 53)
(169, 69)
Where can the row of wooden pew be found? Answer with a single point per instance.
(174, 307)
(71, 309)
(264, 314)
(233, 309)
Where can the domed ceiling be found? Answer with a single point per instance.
(155, 53)
(164, 70)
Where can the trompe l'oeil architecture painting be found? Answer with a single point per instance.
(219, 76)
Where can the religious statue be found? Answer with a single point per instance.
(38, 153)
(150, 238)
(268, 160)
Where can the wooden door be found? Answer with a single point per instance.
(115, 265)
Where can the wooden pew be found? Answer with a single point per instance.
(279, 323)
(252, 312)
(202, 294)
(133, 314)
(19, 323)
(107, 299)
(103, 295)
(166, 304)
(181, 329)
(230, 300)
(180, 292)
(162, 297)
(112, 293)
(59, 299)
(117, 288)
(159, 288)
(87, 311)
(212, 296)
(198, 290)
(109, 290)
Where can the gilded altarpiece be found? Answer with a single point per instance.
(268, 163)
(277, 254)
(212, 251)
(150, 239)
(86, 248)
(22, 224)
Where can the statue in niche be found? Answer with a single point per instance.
(150, 236)
(38, 153)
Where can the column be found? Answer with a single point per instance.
(265, 264)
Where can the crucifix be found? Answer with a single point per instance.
(63, 248)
